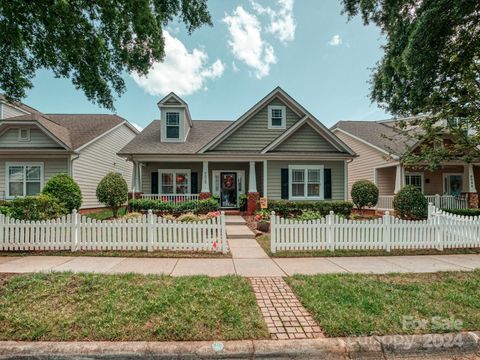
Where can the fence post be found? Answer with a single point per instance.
(330, 230)
(223, 234)
(438, 199)
(150, 231)
(74, 230)
(431, 209)
(386, 231)
(273, 229)
(439, 224)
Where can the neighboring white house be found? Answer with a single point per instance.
(36, 146)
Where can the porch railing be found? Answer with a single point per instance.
(385, 202)
(174, 198)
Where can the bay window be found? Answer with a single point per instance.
(23, 179)
(174, 181)
(306, 182)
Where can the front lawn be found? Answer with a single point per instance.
(264, 242)
(88, 307)
(105, 214)
(356, 305)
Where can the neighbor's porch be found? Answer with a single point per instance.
(454, 186)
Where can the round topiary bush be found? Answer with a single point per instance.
(410, 203)
(65, 190)
(364, 194)
(112, 191)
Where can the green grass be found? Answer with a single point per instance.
(264, 242)
(88, 307)
(105, 214)
(356, 305)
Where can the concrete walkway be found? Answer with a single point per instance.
(248, 267)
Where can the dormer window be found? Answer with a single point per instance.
(173, 125)
(23, 135)
(277, 117)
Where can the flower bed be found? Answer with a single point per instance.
(170, 208)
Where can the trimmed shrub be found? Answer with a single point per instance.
(410, 203)
(162, 207)
(463, 212)
(36, 208)
(67, 192)
(288, 208)
(364, 194)
(112, 191)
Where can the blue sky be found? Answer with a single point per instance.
(305, 46)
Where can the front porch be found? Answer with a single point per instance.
(454, 186)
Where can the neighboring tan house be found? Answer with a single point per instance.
(277, 149)
(380, 146)
(36, 146)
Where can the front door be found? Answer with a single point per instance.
(228, 189)
(453, 184)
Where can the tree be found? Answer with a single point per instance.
(92, 42)
(65, 190)
(431, 67)
(364, 194)
(112, 191)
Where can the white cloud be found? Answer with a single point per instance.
(182, 71)
(282, 23)
(247, 43)
(336, 40)
(137, 126)
(235, 67)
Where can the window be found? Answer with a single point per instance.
(24, 179)
(174, 181)
(305, 182)
(415, 180)
(276, 117)
(172, 125)
(23, 134)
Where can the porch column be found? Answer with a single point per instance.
(399, 178)
(205, 192)
(252, 196)
(471, 189)
(471, 179)
(265, 180)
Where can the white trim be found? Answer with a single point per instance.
(182, 104)
(265, 178)
(445, 175)
(345, 180)
(283, 109)
(233, 157)
(40, 126)
(305, 168)
(240, 189)
(366, 143)
(286, 134)
(25, 139)
(174, 172)
(24, 164)
(15, 107)
(181, 126)
(422, 177)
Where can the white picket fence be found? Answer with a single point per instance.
(148, 232)
(441, 230)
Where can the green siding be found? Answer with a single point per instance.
(306, 139)
(254, 135)
(38, 139)
(274, 169)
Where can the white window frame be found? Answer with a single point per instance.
(446, 176)
(216, 181)
(174, 172)
(179, 125)
(416, 174)
(305, 191)
(24, 164)
(284, 116)
(26, 138)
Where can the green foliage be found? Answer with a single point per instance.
(36, 208)
(242, 200)
(288, 208)
(410, 203)
(112, 191)
(463, 212)
(364, 194)
(162, 207)
(94, 44)
(67, 192)
(430, 66)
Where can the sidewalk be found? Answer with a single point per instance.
(248, 259)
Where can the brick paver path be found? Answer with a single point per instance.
(285, 316)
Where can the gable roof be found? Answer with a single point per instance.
(381, 135)
(20, 105)
(148, 141)
(177, 102)
(278, 92)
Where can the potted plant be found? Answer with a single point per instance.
(242, 202)
(263, 220)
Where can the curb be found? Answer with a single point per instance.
(429, 346)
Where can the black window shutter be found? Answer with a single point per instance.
(194, 186)
(284, 179)
(327, 180)
(154, 182)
